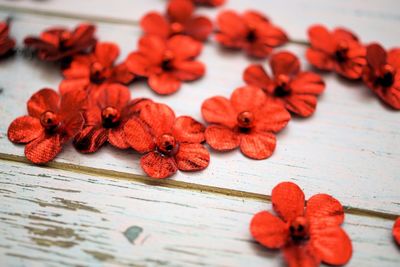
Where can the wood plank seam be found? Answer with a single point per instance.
(116, 175)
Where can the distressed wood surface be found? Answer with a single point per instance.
(81, 219)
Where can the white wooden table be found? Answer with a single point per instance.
(101, 210)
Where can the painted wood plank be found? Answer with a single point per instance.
(372, 20)
(349, 148)
(55, 217)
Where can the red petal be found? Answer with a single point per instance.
(331, 244)
(83, 35)
(140, 65)
(152, 47)
(231, 24)
(271, 117)
(253, 17)
(159, 117)
(43, 149)
(72, 103)
(192, 157)
(391, 96)
(164, 83)
(157, 166)
(258, 49)
(344, 34)
(79, 69)
(67, 86)
(44, 100)
(221, 138)
(271, 35)
(288, 200)
(90, 139)
(326, 209)
(219, 110)
(117, 138)
(247, 98)
(307, 83)
(258, 145)
(285, 63)
(72, 125)
(302, 105)
(154, 23)
(199, 28)
(300, 255)
(319, 59)
(113, 95)
(189, 70)
(106, 53)
(376, 56)
(135, 106)
(393, 58)
(184, 47)
(24, 129)
(255, 75)
(121, 74)
(186, 129)
(396, 231)
(321, 39)
(269, 230)
(137, 135)
(180, 10)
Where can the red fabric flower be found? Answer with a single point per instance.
(105, 118)
(166, 62)
(179, 20)
(95, 68)
(211, 3)
(307, 234)
(297, 91)
(59, 43)
(7, 44)
(338, 51)
(169, 143)
(248, 119)
(382, 74)
(251, 31)
(52, 121)
(396, 231)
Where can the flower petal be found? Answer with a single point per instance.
(285, 63)
(248, 98)
(68, 85)
(157, 166)
(307, 83)
(71, 125)
(258, 50)
(255, 75)
(180, 10)
(159, 117)
(231, 25)
(302, 105)
(106, 53)
(24, 129)
(43, 149)
(396, 231)
(271, 117)
(164, 83)
(141, 65)
(221, 138)
(258, 145)
(78, 69)
(189, 70)
(319, 59)
(186, 129)
(44, 100)
(184, 47)
(199, 28)
(219, 110)
(192, 157)
(121, 74)
(326, 209)
(90, 139)
(269, 230)
(137, 135)
(152, 47)
(300, 255)
(376, 56)
(321, 39)
(117, 138)
(393, 57)
(271, 35)
(154, 23)
(113, 95)
(288, 200)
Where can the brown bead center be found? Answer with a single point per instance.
(166, 144)
(386, 79)
(282, 86)
(341, 51)
(299, 229)
(49, 120)
(97, 72)
(167, 62)
(245, 120)
(110, 117)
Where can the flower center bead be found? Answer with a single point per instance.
(245, 120)
(341, 51)
(166, 63)
(110, 117)
(97, 72)
(166, 144)
(386, 78)
(251, 35)
(282, 88)
(64, 37)
(299, 229)
(176, 28)
(49, 120)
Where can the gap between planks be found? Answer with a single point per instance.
(171, 183)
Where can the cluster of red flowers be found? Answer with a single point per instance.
(7, 44)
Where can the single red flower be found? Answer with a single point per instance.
(168, 143)
(251, 31)
(95, 69)
(382, 74)
(296, 90)
(338, 51)
(105, 118)
(307, 234)
(178, 20)
(166, 62)
(59, 43)
(52, 121)
(248, 119)
(396, 231)
(7, 44)
(210, 3)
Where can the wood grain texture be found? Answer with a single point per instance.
(349, 148)
(53, 217)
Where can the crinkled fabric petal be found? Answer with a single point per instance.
(154, 23)
(192, 157)
(271, 117)
(271, 35)
(83, 35)
(258, 145)
(188, 130)
(325, 209)
(44, 100)
(138, 136)
(90, 139)
(67, 85)
(288, 201)
(121, 74)
(39, 44)
(269, 230)
(391, 95)
(164, 83)
(157, 166)
(300, 255)
(376, 56)
(77, 70)
(301, 105)
(6, 45)
(396, 231)
(258, 49)
(331, 244)
(184, 47)
(231, 24)
(221, 138)
(117, 138)
(319, 59)
(252, 17)
(180, 10)
(106, 53)
(256, 75)
(114, 95)
(393, 58)
(247, 98)
(343, 34)
(219, 110)
(71, 126)
(152, 47)
(307, 83)
(43, 149)
(189, 70)
(199, 28)
(321, 39)
(159, 117)
(140, 65)
(25, 129)
(284, 63)
(72, 102)
(135, 106)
